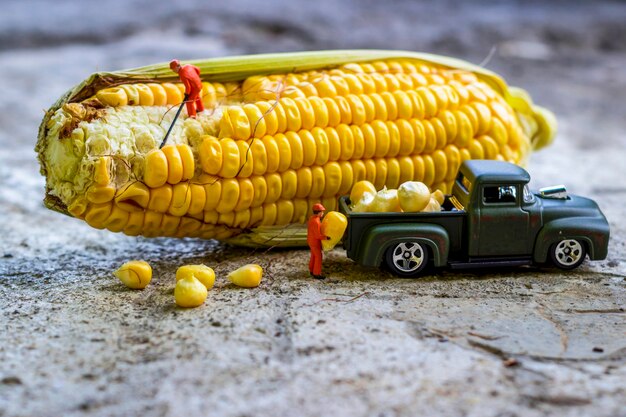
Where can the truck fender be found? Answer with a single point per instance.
(592, 231)
(380, 238)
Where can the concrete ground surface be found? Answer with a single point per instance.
(520, 342)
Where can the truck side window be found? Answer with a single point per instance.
(500, 194)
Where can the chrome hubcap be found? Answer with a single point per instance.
(568, 252)
(408, 256)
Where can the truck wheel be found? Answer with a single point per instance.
(407, 259)
(568, 253)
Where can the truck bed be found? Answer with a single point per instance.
(454, 221)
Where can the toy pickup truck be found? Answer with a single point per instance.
(491, 219)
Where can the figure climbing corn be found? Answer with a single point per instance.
(190, 77)
(314, 238)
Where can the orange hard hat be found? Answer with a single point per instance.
(318, 207)
(174, 63)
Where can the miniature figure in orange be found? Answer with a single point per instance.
(314, 238)
(190, 77)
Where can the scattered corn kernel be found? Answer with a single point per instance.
(135, 274)
(363, 205)
(202, 273)
(248, 276)
(190, 292)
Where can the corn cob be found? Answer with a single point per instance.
(281, 133)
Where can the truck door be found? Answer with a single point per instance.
(500, 227)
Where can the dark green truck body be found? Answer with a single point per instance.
(490, 219)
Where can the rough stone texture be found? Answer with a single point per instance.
(519, 342)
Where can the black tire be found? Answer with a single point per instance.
(407, 259)
(568, 253)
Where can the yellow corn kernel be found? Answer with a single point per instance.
(332, 178)
(483, 116)
(489, 145)
(246, 159)
(198, 199)
(307, 114)
(202, 273)
(187, 159)
(304, 182)
(345, 114)
(381, 173)
(453, 159)
(113, 97)
(318, 182)
(346, 139)
(134, 197)
(248, 276)
(359, 171)
(394, 139)
(370, 170)
(134, 226)
(320, 111)
(190, 292)
(284, 152)
(135, 274)
(292, 114)
(429, 170)
(117, 220)
(156, 170)
(393, 173)
(440, 132)
(101, 171)
(97, 214)
(381, 132)
(260, 191)
(440, 164)
(181, 200)
(246, 194)
(334, 114)
(418, 168)
(230, 158)
(285, 212)
(174, 164)
(430, 137)
(160, 198)
(333, 226)
(406, 169)
(334, 144)
(359, 142)
(173, 94)
(324, 86)
(269, 214)
(274, 187)
(169, 224)
(257, 120)
(229, 196)
(309, 147)
(210, 154)
(146, 98)
(78, 207)
(297, 151)
(188, 227)
(289, 180)
(158, 94)
(100, 193)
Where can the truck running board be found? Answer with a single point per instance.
(486, 263)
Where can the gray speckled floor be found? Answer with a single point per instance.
(74, 341)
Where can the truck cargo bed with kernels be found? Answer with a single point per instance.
(491, 219)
